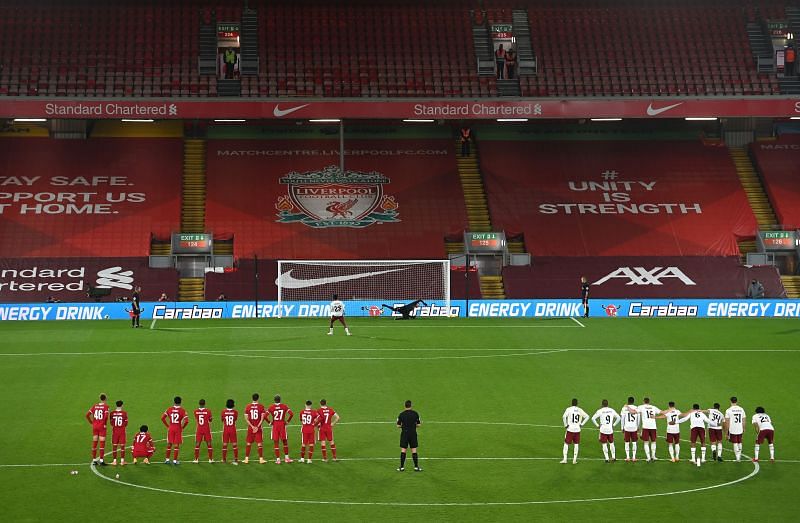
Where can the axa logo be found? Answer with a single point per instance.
(643, 276)
(114, 277)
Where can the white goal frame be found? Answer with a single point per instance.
(382, 296)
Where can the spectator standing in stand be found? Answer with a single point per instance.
(789, 59)
(465, 135)
(755, 290)
(511, 63)
(500, 60)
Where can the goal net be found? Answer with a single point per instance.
(365, 284)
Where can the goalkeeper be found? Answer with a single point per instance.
(406, 309)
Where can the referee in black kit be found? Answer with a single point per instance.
(407, 422)
(585, 296)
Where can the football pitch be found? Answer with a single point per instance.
(490, 392)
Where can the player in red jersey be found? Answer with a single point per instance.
(255, 413)
(202, 417)
(229, 417)
(280, 415)
(119, 421)
(97, 416)
(327, 419)
(143, 445)
(308, 420)
(175, 419)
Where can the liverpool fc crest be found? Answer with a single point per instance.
(332, 198)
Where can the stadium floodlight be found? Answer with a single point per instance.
(230, 120)
(417, 120)
(325, 120)
(700, 118)
(138, 120)
(512, 119)
(29, 120)
(364, 285)
(606, 119)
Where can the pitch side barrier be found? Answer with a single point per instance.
(607, 308)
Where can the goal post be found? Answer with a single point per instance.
(366, 284)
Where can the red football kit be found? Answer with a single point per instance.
(325, 428)
(308, 421)
(255, 413)
(281, 414)
(229, 417)
(143, 445)
(119, 420)
(175, 418)
(98, 415)
(202, 416)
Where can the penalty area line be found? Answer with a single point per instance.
(578, 322)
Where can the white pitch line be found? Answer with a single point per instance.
(359, 327)
(755, 471)
(386, 349)
(376, 358)
(577, 321)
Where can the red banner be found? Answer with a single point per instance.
(287, 198)
(543, 108)
(639, 277)
(101, 197)
(83, 279)
(617, 198)
(779, 163)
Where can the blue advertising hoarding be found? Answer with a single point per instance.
(609, 308)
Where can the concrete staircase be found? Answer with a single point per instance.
(249, 59)
(482, 45)
(526, 59)
(207, 49)
(193, 208)
(477, 213)
(761, 47)
(792, 286)
(753, 188)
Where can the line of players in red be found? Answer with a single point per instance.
(316, 425)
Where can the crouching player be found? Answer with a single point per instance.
(308, 422)
(765, 431)
(143, 446)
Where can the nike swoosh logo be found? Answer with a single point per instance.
(287, 281)
(278, 112)
(656, 112)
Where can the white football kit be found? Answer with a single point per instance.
(607, 418)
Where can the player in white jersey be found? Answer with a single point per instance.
(574, 418)
(734, 426)
(337, 314)
(673, 431)
(630, 428)
(607, 417)
(765, 431)
(648, 415)
(697, 421)
(715, 418)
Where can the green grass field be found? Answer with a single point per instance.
(490, 393)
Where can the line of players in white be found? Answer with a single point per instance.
(632, 418)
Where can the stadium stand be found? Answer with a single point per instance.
(674, 48)
(596, 198)
(101, 197)
(410, 202)
(779, 165)
(368, 49)
(80, 279)
(240, 283)
(705, 277)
